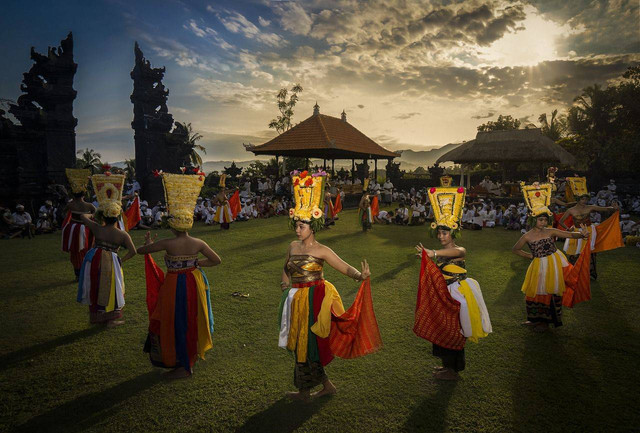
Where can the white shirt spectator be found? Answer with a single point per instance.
(21, 218)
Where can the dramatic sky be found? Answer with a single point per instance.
(409, 74)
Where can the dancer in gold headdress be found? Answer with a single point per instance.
(223, 214)
(76, 237)
(581, 212)
(313, 322)
(180, 317)
(544, 285)
(450, 308)
(101, 284)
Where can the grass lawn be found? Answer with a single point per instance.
(59, 373)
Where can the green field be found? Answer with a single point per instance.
(59, 373)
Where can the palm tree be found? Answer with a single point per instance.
(555, 128)
(130, 168)
(191, 143)
(90, 159)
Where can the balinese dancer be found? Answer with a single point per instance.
(313, 322)
(577, 188)
(101, 284)
(364, 208)
(450, 308)
(180, 318)
(76, 236)
(223, 214)
(548, 274)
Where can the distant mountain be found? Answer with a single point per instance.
(412, 159)
(409, 160)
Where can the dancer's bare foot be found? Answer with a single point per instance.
(528, 323)
(302, 396)
(446, 374)
(328, 388)
(438, 368)
(541, 327)
(177, 373)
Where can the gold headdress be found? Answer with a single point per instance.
(576, 188)
(78, 179)
(108, 189)
(181, 192)
(446, 180)
(447, 205)
(223, 180)
(308, 192)
(537, 197)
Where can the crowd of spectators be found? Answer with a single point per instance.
(269, 196)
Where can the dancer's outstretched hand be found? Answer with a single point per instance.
(366, 273)
(419, 249)
(147, 238)
(584, 231)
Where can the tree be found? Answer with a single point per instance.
(90, 159)
(130, 168)
(294, 163)
(255, 169)
(187, 141)
(282, 123)
(604, 128)
(502, 124)
(554, 128)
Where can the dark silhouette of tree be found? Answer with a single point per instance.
(282, 123)
(503, 123)
(90, 159)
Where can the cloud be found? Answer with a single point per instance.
(489, 115)
(405, 116)
(235, 22)
(293, 17)
(209, 34)
(263, 22)
(232, 93)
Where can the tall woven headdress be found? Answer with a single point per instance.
(308, 192)
(447, 203)
(576, 188)
(108, 189)
(78, 179)
(537, 196)
(181, 192)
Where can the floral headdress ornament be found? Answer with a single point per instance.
(78, 179)
(537, 197)
(108, 189)
(308, 192)
(181, 192)
(447, 204)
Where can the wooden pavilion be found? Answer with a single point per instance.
(326, 137)
(507, 147)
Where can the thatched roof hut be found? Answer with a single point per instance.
(516, 145)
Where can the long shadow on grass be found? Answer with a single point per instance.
(411, 262)
(552, 392)
(263, 243)
(25, 292)
(90, 409)
(282, 416)
(11, 359)
(431, 414)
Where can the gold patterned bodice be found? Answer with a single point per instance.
(304, 268)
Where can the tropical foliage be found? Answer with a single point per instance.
(282, 122)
